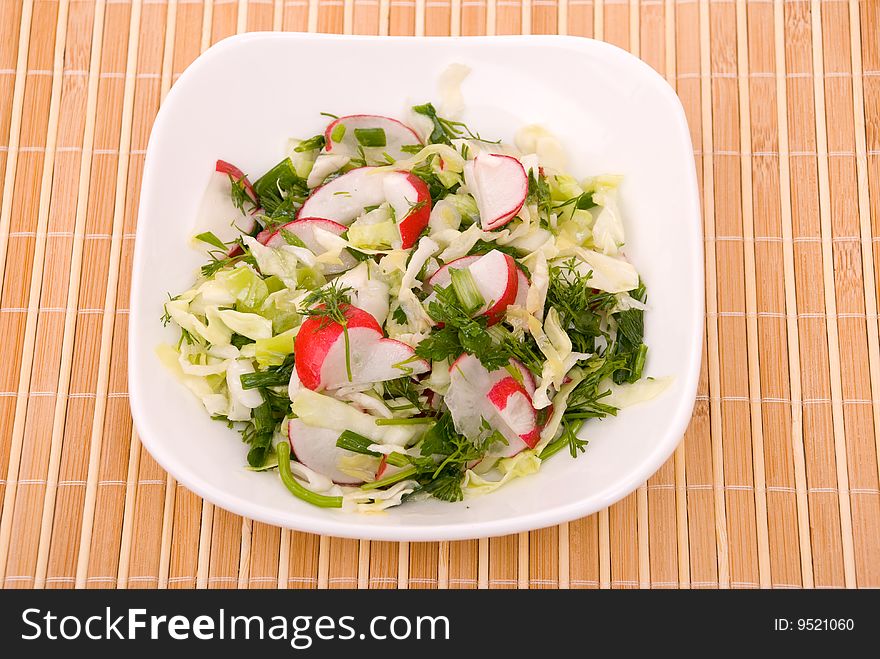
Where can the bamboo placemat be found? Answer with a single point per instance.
(776, 481)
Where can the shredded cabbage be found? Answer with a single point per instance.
(607, 273)
(522, 464)
(556, 346)
(641, 391)
(538, 140)
(315, 409)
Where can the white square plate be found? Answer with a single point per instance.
(246, 96)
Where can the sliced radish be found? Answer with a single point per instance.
(383, 465)
(304, 228)
(316, 449)
(326, 360)
(219, 215)
(499, 185)
(344, 199)
(476, 394)
(317, 335)
(495, 276)
(514, 406)
(528, 380)
(348, 129)
(231, 170)
(443, 276)
(411, 200)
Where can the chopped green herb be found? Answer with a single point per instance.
(209, 238)
(399, 316)
(278, 185)
(311, 144)
(338, 133)
(291, 238)
(241, 196)
(446, 130)
(370, 137)
(460, 333)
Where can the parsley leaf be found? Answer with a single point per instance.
(460, 333)
(399, 316)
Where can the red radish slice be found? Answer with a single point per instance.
(371, 360)
(475, 394)
(528, 380)
(499, 185)
(514, 406)
(323, 358)
(397, 135)
(443, 276)
(231, 170)
(383, 464)
(411, 200)
(495, 276)
(317, 336)
(304, 229)
(316, 449)
(344, 199)
(219, 215)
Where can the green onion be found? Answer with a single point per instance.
(370, 136)
(356, 443)
(390, 480)
(414, 421)
(568, 438)
(466, 289)
(298, 490)
(338, 133)
(553, 448)
(311, 144)
(638, 363)
(291, 238)
(347, 351)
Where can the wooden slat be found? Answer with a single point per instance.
(31, 455)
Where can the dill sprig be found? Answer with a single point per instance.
(539, 195)
(582, 202)
(238, 253)
(446, 130)
(580, 306)
(568, 438)
(331, 304)
(242, 196)
(585, 400)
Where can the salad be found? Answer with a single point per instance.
(403, 309)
